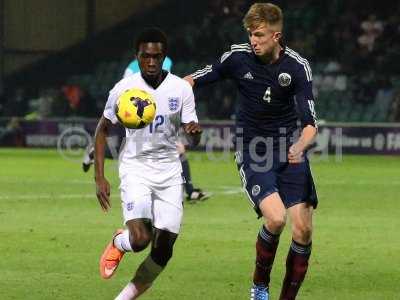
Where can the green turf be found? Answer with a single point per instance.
(52, 232)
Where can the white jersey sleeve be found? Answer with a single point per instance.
(109, 110)
(128, 72)
(188, 105)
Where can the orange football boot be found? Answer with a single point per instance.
(111, 258)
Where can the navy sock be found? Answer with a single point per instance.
(296, 269)
(186, 174)
(266, 246)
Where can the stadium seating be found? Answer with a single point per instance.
(345, 89)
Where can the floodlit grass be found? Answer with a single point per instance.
(52, 232)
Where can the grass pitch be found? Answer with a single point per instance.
(52, 232)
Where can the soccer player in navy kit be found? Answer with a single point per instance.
(275, 95)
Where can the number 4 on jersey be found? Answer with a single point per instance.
(267, 95)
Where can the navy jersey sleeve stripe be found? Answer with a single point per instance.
(221, 68)
(202, 72)
(301, 61)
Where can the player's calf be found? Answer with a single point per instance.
(299, 251)
(154, 264)
(266, 246)
(162, 247)
(296, 269)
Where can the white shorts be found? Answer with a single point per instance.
(162, 205)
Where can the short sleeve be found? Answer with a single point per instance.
(109, 110)
(188, 105)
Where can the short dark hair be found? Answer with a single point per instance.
(152, 35)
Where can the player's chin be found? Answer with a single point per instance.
(152, 75)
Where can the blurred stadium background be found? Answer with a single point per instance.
(58, 60)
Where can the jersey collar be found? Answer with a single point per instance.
(166, 75)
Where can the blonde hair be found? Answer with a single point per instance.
(268, 13)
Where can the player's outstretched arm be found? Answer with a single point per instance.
(102, 185)
(189, 79)
(193, 132)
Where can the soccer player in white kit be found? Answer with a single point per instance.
(149, 167)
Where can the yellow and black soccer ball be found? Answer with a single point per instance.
(135, 108)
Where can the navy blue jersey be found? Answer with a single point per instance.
(272, 97)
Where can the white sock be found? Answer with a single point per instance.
(128, 293)
(121, 241)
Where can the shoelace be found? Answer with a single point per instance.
(260, 293)
(114, 255)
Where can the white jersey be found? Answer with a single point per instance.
(150, 153)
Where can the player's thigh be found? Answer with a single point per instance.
(301, 216)
(136, 199)
(168, 208)
(260, 184)
(274, 212)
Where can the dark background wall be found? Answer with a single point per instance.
(32, 28)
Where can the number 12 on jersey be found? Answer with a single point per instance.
(158, 121)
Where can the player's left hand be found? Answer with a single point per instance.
(193, 133)
(192, 128)
(295, 154)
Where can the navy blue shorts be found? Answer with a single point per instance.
(263, 176)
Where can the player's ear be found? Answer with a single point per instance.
(277, 35)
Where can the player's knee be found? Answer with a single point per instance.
(140, 241)
(276, 223)
(302, 233)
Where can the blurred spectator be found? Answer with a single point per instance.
(17, 104)
(12, 134)
(348, 43)
(383, 97)
(80, 102)
(395, 109)
(41, 107)
(372, 28)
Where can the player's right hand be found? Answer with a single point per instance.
(103, 193)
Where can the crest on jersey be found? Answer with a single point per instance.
(129, 206)
(173, 104)
(255, 190)
(284, 79)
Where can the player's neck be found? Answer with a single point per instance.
(273, 56)
(155, 82)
